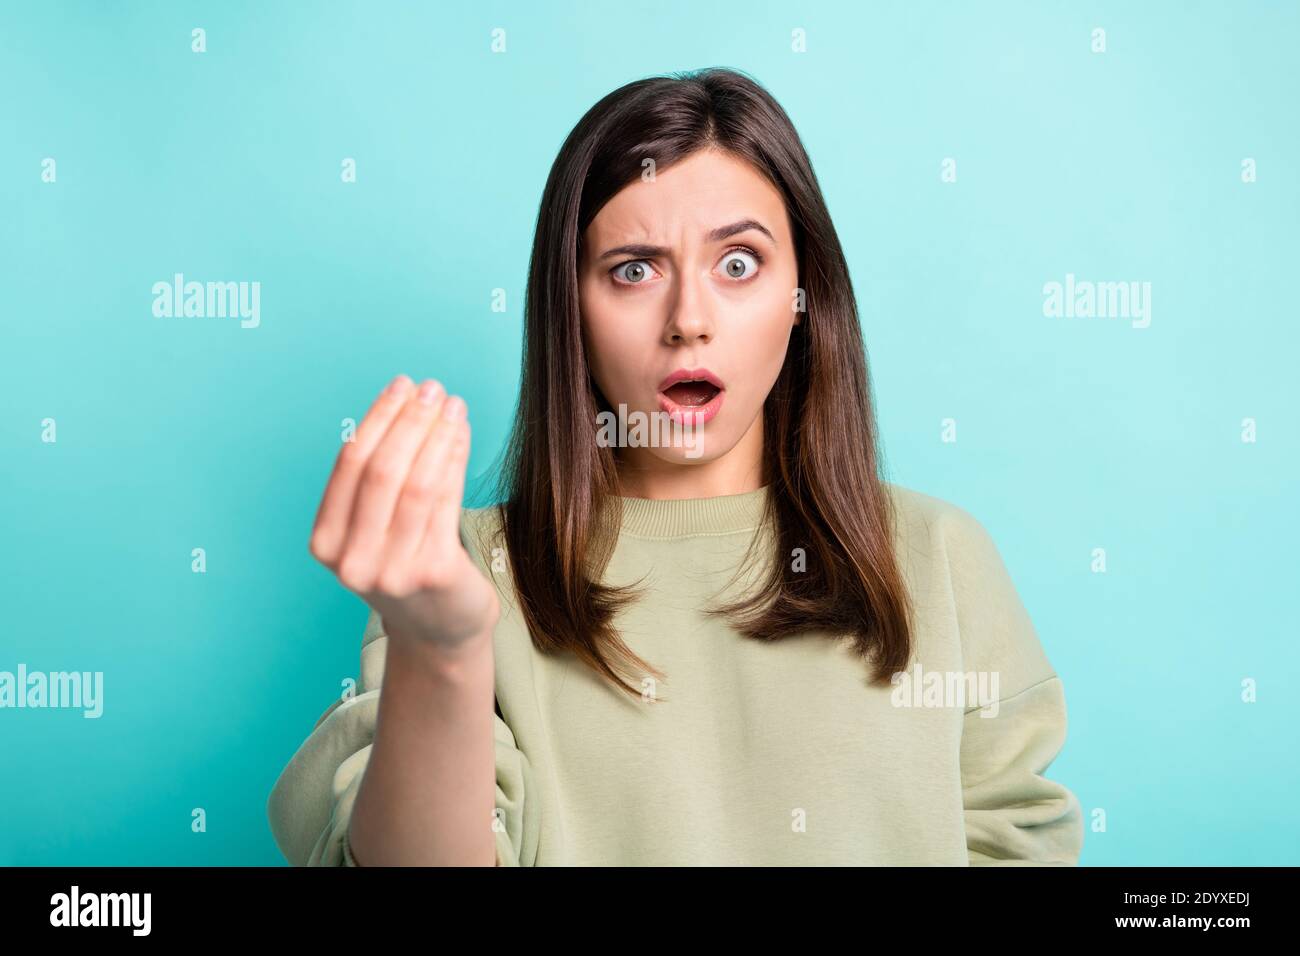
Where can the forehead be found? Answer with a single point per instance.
(706, 189)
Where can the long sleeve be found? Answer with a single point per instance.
(1014, 815)
(310, 806)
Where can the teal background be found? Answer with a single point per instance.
(1072, 434)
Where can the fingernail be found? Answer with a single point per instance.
(454, 409)
(396, 384)
(429, 391)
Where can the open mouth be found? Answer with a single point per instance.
(692, 394)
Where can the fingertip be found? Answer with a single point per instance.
(454, 409)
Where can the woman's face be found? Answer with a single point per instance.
(694, 270)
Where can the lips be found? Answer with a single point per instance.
(691, 395)
(690, 375)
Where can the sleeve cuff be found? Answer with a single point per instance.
(348, 858)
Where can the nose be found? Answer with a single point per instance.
(690, 312)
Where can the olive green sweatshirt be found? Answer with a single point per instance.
(745, 752)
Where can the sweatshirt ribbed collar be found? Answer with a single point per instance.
(679, 517)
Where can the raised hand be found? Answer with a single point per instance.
(388, 523)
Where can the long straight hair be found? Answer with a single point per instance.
(558, 487)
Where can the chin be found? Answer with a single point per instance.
(701, 450)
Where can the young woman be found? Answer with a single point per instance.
(739, 645)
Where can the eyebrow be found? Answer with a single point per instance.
(641, 250)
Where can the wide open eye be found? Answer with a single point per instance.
(634, 272)
(741, 264)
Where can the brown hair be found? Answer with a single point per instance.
(558, 487)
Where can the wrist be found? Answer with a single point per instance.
(467, 661)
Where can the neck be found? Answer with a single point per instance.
(739, 470)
